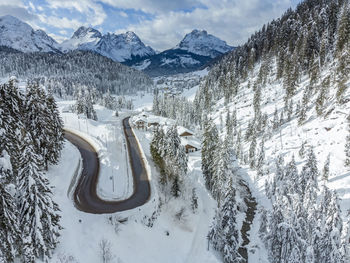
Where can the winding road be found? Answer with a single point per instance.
(85, 195)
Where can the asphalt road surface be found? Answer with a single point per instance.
(85, 196)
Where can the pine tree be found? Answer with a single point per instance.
(275, 123)
(302, 149)
(343, 30)
(224, 233)
(292, 177)
(229, 226)
(175, 188)
(347, 146)
(328, 248)
(308, 182)
(194, 200)
(325, 172)
(323, 95)
(304, 105)
(252, 149)
(9, 228)
(11, 124)
(55, 136)
(209, 149)
(261, 159)
(224, 169)
(39, 217)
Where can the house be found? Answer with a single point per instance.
(185, 133)
(140, 123)
(190, 145)
(190, 148)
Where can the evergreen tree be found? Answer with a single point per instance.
(252, 149)
(224, 169)
(302, 149)
(308, 181)
(261, 159)
(325, 172)
(175, 188)
(209, 148)
(194, 200)
(224, 233)
(275, 123)
(39, 217)
(347, 146)
(55, 138)
(328, 248)
(323, 95)
(229, 226)
(9, 228)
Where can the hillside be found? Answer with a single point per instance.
(281, 103)
(64, 73)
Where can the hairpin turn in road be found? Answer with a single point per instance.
(85, 194)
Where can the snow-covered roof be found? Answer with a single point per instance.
(140, 119)
(182, 130)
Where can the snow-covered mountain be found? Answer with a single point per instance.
(119, 47)
(123, 47)
(84, 38)
(194, 51)
(19, 35)
(201, 43)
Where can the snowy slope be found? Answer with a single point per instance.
(325, 134)
(19, 35)
(196, 50)
(201, 43)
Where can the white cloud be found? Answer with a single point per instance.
(154, 6)
(95, 15)
(59, 22)
(17, 3)
(233, 21)
(32, 6)
(123, 14)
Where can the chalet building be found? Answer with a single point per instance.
(140, 124)
(190, 145)
(190, 148)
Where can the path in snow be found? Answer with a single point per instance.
(251, 204)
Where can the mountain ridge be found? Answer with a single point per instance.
(194, 51)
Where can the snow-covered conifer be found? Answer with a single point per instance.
(39, 217)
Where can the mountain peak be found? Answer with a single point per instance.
(201, 43)
(83, 31)
(19, 35)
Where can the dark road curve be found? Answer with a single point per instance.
(85, 195)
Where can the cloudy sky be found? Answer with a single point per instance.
(159, 23)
